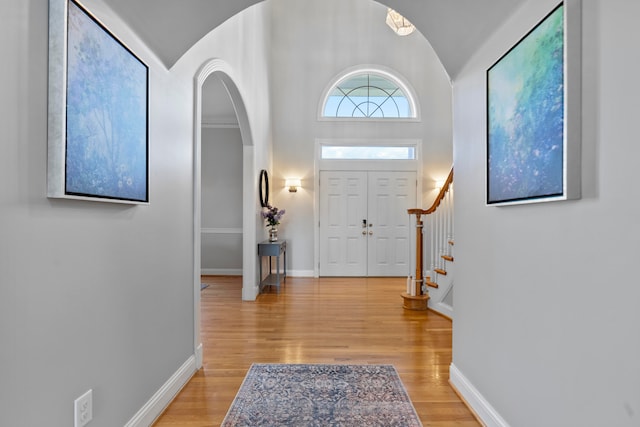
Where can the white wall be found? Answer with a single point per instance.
(98, 295)
(221, 201)
(92, 295)
(546, 299)
(221, 178)
(546, 295)
(312, 43)
(239, 48)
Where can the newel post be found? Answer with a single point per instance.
(415, 298)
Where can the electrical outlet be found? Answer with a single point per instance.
(83, 409)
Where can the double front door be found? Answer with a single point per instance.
(364, 225)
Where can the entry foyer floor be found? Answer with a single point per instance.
(326, 320)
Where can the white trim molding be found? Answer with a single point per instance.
(221, 271)
(163, 397)
(199, 355)
(238, 272)
(445, 309)
(476, 401)
(220, 125)
(226, 73)
(221, 230)
(300, 273)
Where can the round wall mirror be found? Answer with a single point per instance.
(264, 188)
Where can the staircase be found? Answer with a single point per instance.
(434, 286)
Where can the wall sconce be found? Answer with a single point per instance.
(293, 184)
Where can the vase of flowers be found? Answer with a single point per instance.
(273, 216)
(273, 234)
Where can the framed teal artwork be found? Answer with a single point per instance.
(533, 131)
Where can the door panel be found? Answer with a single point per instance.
(381, 247)
(343, 206)
(390, 194)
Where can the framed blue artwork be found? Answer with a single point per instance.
(98, 146)
(533, 114)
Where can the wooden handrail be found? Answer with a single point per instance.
(438, 200)
(419, 279)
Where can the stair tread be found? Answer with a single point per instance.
(447, 257)
(440, 271)
(428, 282)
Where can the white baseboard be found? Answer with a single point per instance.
(199, 355)
(161, 399)
(482, 408)
(238, 272)
(300, 273)
(442, 308)
(221, 271)
(250, 294)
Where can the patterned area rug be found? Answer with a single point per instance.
(322, 395)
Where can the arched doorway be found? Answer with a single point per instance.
(217, 68)
(221, 183)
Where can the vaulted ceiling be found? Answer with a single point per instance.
(454, 28)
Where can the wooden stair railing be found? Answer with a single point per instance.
(416, 298)
(439, 197)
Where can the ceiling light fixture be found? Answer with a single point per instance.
(399, 23)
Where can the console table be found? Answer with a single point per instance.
(273, 249)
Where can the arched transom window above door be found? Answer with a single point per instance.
(365, 94)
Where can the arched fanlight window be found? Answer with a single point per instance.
(369, 94)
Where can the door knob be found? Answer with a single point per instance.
(370, 232)
(364, 232)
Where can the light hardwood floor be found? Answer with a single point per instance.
(327, 320)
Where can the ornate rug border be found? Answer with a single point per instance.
(251, 372)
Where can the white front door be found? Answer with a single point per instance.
(390, 195)
(364, 225)
(343, 207)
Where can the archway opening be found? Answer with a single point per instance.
(220, 73)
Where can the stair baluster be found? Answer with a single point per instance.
(440, 229)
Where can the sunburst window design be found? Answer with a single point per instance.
(368, 95)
